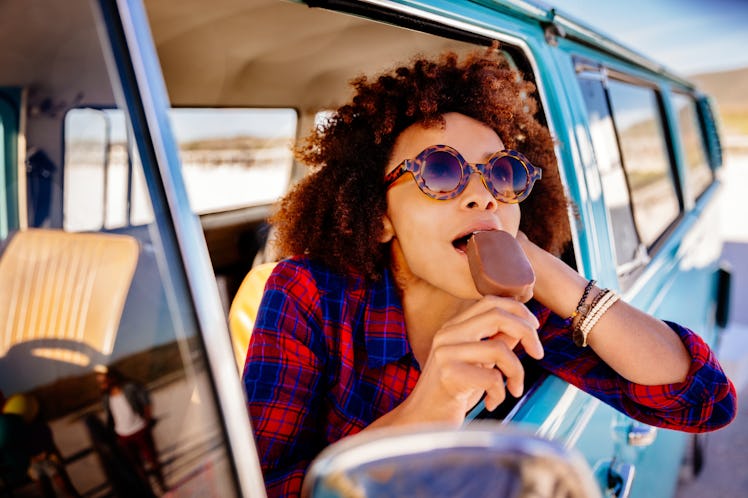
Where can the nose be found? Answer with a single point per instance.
(476, 194)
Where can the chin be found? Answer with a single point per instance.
(467, 293)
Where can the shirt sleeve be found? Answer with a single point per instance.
(282, 379)
(705, 401)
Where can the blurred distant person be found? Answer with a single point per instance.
(33, 447)
(14, 459)
(128, 411)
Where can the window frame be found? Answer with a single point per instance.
(701, 123)
(605, 73)
(133, 64)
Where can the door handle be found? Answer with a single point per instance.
(620, 479)
(615, 478)
(641, 435)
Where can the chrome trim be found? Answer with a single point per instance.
(641, 435)
(539, 10)
(581, 33)
(549, 428)
(583, 419)
(191, 243)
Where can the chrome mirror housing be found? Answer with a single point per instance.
(479, 460)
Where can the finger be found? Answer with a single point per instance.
(489, 302)
(485, 353)
(507, 339)
(487, 325)
(496, 392)
(516, 384)
(472, 379)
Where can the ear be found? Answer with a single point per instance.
(388, 231)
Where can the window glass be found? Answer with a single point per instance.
(10, 137)
(231, 157)
(101, 360)
(234, 157)
(141, 211)
(612, 176)
(86, 144)
(637, 117)
(698, 173)
(4, 182)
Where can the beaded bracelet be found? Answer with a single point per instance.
(580, 304)
(597, 311)
(577, 331)
(581, 310)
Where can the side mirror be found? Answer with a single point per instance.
(479, 460)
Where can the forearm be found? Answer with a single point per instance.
(640, 348)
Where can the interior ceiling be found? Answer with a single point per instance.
(273, 53)
(213, 52)
(51, 48)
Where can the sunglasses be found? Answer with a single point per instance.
(442, 173)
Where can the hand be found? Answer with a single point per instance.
(470, 355)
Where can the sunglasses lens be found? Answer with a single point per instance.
(508, 178)
(441, 172)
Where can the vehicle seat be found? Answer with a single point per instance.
(244, 308)
(62, 294)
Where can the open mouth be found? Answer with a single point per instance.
(460, 243)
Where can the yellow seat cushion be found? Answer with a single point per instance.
(244, 307)
(65, 287)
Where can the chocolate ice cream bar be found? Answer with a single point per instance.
(499, 265)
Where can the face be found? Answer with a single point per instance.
(429, 235)
(103, 381)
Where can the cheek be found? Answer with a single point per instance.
(413, 225)
(412, 212)
(510, 217)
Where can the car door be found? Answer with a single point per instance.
(662, 246)
(67, 295)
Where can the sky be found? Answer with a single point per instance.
(687, 36)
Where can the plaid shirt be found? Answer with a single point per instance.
(329, 355)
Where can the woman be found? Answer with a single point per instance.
(375, 321)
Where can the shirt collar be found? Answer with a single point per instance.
(384, 324)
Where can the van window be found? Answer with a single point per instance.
(612, 176)
(634, 163)
(232, 158)
(698, 173)
(637, 116)
(95, 170)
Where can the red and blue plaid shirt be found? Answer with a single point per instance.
(329, 355)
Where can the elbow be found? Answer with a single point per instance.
(727, 409)
(721, 413)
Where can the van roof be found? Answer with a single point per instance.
(190, 27)
(581, 32)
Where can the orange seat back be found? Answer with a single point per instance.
(244, 307)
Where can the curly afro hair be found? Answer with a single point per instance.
(334, 215)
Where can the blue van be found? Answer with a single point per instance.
(144, 143)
